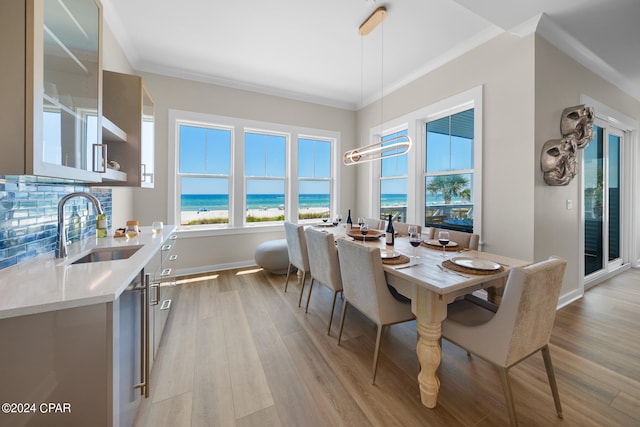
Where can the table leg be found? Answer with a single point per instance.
(495, 289)
(430, 310)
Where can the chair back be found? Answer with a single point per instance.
(365, 285)
(374, 223)
(402, 228)
(296, 245)
(528, 307)
(466, 240)
(323, 258)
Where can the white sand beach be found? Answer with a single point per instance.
(188, 216)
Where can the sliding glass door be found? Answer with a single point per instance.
(602, 189)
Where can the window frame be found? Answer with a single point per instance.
(332, 167)
(377, 169)
(237, 181)
(415, 122)
(228, 177)
(471, 171)
(285, 179)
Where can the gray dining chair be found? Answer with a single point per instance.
(325, 266)
(374, 223)
(402, 229)
(520, 327)
(463, 239)
(298, 256)
(365, 288)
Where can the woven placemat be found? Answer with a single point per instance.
(439, 247)
(455, 267)
(402, 259)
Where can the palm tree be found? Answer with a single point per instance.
(449, 186)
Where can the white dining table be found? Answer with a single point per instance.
(431, 288)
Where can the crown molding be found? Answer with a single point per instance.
(564, 41)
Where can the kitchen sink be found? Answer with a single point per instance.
(110, 254)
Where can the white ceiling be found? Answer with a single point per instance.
(311, 50)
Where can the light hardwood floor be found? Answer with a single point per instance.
(237, 351)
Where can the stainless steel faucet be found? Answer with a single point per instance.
(61, 246)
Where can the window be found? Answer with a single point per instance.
(204, 172)
(314, 179)
(231, 173)
(393, 182)
(265, 173)
(449, 171)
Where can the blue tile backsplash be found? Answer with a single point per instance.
(29, 215)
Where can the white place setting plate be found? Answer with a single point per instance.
(475, 263)
(389, 254)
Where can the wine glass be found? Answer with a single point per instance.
(336, 221)
(325, 217)
(364, 230)
(339, 218)
(157, 227)
(414, 240)
(443, 239)
(360, 221)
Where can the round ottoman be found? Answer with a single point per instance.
(273, 256)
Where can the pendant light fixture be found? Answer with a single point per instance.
(392, 147)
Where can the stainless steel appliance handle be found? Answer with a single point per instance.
(144, 385)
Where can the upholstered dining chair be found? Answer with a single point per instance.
(374, 223)
(298, 256)
(402, 228)
(325, 266)
(464, 240)
(520, 327)
(365, 288)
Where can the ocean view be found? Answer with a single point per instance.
(213, 202)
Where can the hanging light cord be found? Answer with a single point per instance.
(381, 78)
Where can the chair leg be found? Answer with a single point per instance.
(304, 273)
(333, 307)
(344, 312)
(306, 309)
(546, 355)
(286, 283)
(504, 377)
(376, 352)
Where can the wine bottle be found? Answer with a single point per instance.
(349, 222)
(391, 238)
(101, 225)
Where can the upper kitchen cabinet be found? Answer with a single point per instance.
(50, 107)
(128, 107)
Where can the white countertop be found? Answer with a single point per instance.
(46, 284)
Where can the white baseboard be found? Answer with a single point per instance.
(214, 267)
(567, 299)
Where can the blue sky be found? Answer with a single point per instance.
(208, 150)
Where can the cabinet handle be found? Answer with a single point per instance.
(173, 257)
(144, 336)
(165, 272)
(165, 247)
(155, 286)
(166, 304)
(173, 237)
(100, 158)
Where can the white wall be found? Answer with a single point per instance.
(213, 252)
(504, 67)
(114, 59)
(559, 83)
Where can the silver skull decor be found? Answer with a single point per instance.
(558, 159)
